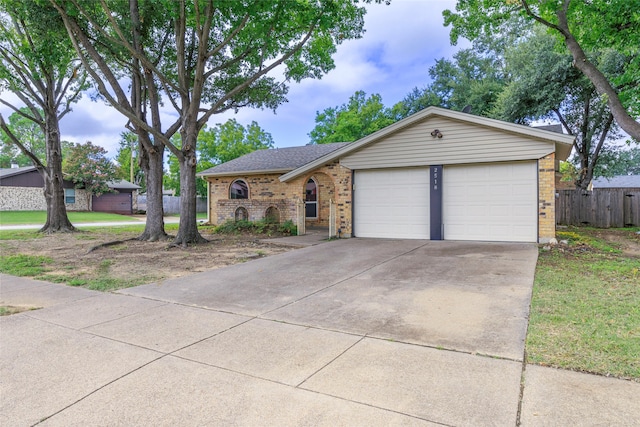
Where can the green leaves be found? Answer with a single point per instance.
(349, 122)
(89, 168)
(220, 144)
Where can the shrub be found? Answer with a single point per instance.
(262, 226)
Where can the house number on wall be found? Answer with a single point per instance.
(435, 205)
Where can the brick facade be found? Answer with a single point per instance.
(266, 191)
(546, 198)
(334, 182)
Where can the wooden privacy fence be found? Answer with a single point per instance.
(171, 204)
(602, 207)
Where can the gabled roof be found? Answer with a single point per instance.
(7, 172)
(563, 143)
(621, 181)
(121, 184)
(275, 160)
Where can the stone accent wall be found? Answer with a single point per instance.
(32, 199)
(546, 199)
(334, 182)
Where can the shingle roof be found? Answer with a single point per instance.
(551, 128)
(121, 184)
(7, 172)
(621, 181)
(275, 159)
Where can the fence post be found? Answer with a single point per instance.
(300, 217)
(332, 218)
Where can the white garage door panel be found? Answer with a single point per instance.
(491, 202)
(392, 203)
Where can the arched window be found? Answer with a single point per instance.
(239, 190)
(311, 199)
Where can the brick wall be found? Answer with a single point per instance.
(546, 199)
(333, 180)
(32, 199)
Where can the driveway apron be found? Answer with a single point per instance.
(350, 332)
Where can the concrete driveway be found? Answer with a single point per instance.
(351, 332)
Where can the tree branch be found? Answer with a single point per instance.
(36, 162)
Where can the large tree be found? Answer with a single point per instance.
(39, 68)
(357, 118)
(583, 26)
(210, 57)
(104, 34)
(544, 85)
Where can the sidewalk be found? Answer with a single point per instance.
(355, 332)
(142, 220)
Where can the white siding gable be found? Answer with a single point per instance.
(461, 143)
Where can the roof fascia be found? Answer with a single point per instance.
(249, 172)
(558, 139)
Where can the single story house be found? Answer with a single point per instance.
(438, 174)
(21, 189)
(620, 181)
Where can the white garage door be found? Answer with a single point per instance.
(392, 203)
(492, 202)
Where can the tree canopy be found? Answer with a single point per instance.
(206, 57)
(89, 168)
(357, 118)
(582, 27)
(38, 66)
(219, 144)
(31, 136)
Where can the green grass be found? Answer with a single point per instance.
(40, 268)
(40, 217)
(199, 215)
(20, 235)
(585, 311)
(24, 265)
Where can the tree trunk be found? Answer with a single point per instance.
(57, 219)
(152, 165)
(188, 230)
(598, 79)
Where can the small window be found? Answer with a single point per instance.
(239, 190)
(69, 195)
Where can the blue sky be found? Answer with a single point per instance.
(402, 40)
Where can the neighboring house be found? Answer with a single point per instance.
(123, 201)
(620, 181)
(21, 189)
(438, 174)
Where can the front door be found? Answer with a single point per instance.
(311, 199)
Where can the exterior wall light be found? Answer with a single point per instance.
(436, 133)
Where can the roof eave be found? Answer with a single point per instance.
(245, 172)
(559, 140)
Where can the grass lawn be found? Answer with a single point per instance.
(585, 311)
(40, 217)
